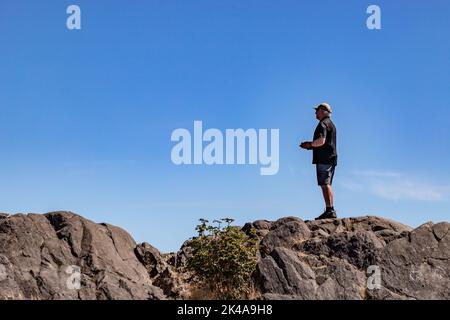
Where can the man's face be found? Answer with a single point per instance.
(319, 114)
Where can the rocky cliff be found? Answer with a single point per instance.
(61, 255)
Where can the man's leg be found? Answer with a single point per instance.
(325, 175)
(327, 195)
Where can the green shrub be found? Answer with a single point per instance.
(223, 260)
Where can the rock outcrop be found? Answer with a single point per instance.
(61, 255)
(353, 258)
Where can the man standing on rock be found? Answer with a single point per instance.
(324, 156)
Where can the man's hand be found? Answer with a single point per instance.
(306, 145)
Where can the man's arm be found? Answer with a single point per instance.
(318, 142)
(314, 144)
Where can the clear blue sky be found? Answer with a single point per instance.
(86, 115)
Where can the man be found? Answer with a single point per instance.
(324, 156)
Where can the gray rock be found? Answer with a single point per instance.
(262, 227)
(151, 258)
(285, 232)
(162, 271)
(61, 255)
(286, 274)
(41, 257)
(418, 266)
(332, 260)
(441, 230)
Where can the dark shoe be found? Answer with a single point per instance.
(327, 215)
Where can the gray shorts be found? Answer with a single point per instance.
(325, 173)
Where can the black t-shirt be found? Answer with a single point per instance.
(325, 154)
